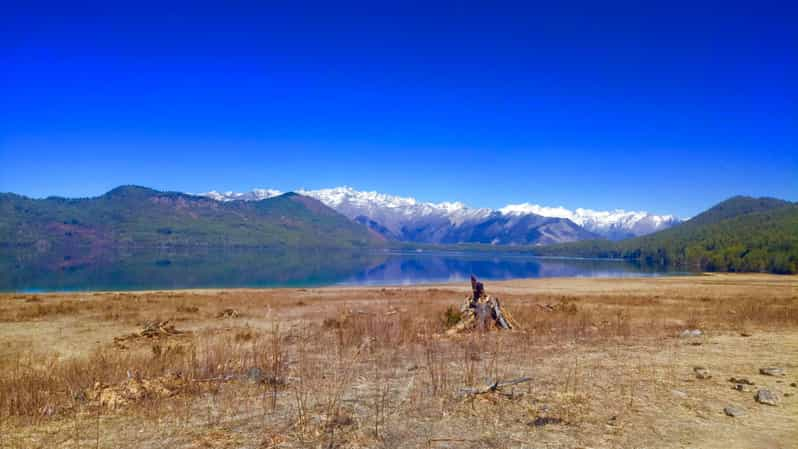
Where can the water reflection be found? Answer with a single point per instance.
(92, 269)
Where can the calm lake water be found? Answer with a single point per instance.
(214, 268)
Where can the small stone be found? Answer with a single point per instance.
(544, 421)
(794, 384)
(786, 395)
(733, 411)
(690, 333)
(745, 334)
(772, 371)
(255, 374)
(764, 396)
(740, 380)
(701, 372)
(679, 394)
(742, 387)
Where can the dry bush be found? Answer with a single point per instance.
(39, 310)
(35, 388)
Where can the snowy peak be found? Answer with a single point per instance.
(613, 224)
(391, 210)
(254, 195)
(405, 218)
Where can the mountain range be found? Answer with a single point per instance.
(409, 220)
(739, 234)
(143, 217)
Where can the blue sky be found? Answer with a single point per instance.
(667, 108)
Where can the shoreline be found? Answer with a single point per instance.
(529, 281)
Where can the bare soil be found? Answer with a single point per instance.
(366, 367)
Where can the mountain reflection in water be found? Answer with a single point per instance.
(91, 269)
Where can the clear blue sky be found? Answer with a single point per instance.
(667, 108)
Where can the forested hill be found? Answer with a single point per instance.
(739, 234)
(138, 216)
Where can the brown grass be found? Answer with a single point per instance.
(370, 367)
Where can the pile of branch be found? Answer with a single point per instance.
(495, 387)
(158, 329)
(482, 312)
(150, 329)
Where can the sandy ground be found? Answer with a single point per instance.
(372, 367)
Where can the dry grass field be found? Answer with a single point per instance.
(371, 367)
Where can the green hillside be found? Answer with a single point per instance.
(138, 216)
(739, 234)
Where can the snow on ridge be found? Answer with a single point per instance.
(394, 212)
(592, 219)
(253, 195)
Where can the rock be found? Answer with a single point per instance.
(691, 333)
(701, 372)
(255, 374)
(679, 394)
(733, 411)
(794, 384)
(764, 396)
(742, 387)
(745, 334)
(228, 313)
(772, 371)
(544, 420)
(740, 380)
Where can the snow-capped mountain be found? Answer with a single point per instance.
(615, 225)
(254, 195)
(404, 218)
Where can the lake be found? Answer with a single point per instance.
(92, 269)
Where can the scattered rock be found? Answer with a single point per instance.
(740, 380)
(772, 371)
(701, 372)
(764, 396)
(733, 411)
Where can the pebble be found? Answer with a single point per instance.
(733, 411)
(691, 333)
(740, 380)
(742, 387)
(255, 374)
(544, 421)
(701, 372)
(772, 371)
(764, 396)
(679, 394)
